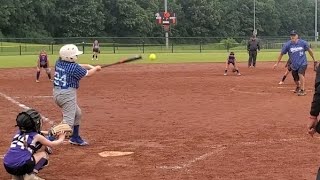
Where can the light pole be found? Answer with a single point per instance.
(316, 22)
(166, 33)
(254, 18)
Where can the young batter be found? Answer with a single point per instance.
(67, 75)
(24, 158)
(43, 62)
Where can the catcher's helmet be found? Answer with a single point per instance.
(69, 52)
(29, 121)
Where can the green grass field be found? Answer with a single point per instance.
(218, 56)
(25, 54)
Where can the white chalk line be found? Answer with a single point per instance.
(33, 97)
(221, 147)
(45, 119)
(235, 89)
(248, 92)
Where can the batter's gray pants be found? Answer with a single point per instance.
(66, 99)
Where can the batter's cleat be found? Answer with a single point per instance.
(50, 138)
(239, 74)
(225, 74)
(37, 81)
(48, 150)
(97, 59)
(301, 93)
(281, 82)
(296, 90)
(78, 141)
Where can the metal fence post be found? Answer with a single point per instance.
(83, 47)
(172, 47)
(114, 47)
(143, 47)
(200, 46)
(20, 50)
(51, 47)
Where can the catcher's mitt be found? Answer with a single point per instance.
(57, 129)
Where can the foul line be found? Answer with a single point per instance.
(220, 148)
(248, 92)
(36, 97)
(45, 119)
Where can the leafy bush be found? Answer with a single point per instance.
(229, 43)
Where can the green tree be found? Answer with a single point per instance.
(76, 18)
(201, 17)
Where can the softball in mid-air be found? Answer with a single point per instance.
(152, 57)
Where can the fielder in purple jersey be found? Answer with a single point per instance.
(43, 62)
(95, 49)
(231, 60)
(25, 158)
(296, 50)
(67, 76)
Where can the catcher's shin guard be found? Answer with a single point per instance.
(42, 163)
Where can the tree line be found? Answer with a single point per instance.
(136, 18)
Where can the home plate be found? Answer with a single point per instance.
(114, 153)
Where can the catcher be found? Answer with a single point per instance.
(25, 158)
(314, 125)
(231, 60)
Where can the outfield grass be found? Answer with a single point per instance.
(217, 56)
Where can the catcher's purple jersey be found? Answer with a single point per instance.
(68, 74)
(18, 154)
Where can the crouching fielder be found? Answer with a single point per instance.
(67, 75)
(231, 60)
(43, 62)
(25, 158)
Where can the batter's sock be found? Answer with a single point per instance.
(75, 131)
(92, 56)
(225, 71)
(96, 56)
(38, 75)
(237, 71)
(49, 76)
(284, 78)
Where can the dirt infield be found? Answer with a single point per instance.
(181, 121)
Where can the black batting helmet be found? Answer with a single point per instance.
(29, 121)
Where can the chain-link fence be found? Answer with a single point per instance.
(124, 45)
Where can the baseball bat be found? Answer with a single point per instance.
(129, 59)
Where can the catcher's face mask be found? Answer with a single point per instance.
(29, 120)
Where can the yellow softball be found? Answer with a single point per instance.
(152, 57)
